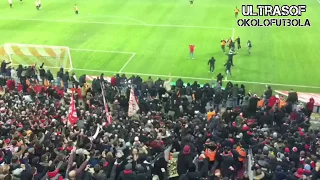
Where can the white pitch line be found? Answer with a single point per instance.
(117, 17)
(196, 78)
(110, 23)
(103, 51)
(125, 65)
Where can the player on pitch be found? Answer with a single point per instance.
(10, 3)
(76, 9)
(39, 2)
(230, 43)
(249, 45)
(236, 12)
(191, 49)
(191, 2)
(37, 5)
(223, 45)
(228, 65)
(238, 42)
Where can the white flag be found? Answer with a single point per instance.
(133, 104)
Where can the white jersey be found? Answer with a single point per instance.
(10, 1)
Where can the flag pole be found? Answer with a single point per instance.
(109, 120)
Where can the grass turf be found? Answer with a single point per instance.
(280, 55)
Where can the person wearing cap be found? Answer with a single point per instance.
(185, 159)
(295, 156)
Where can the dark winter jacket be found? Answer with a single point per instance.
(127, 175)
(4, 66)
(184, 162)
(49, 76)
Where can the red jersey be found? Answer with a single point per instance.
(10, 84)
(191, 47)
(310, 104)
(113, 81)
(272, 101)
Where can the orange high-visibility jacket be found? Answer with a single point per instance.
(211, 155)
(241, 152)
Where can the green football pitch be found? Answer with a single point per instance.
(151, 38)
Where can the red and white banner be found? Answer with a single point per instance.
(109, 117)
(133, 104)
(72, 114)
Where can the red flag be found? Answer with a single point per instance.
(133, 104)
(109, 117)
(72, 116)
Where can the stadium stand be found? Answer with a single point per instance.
(179, 132)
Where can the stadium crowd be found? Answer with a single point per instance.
(181, 131)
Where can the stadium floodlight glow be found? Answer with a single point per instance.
(30, 54)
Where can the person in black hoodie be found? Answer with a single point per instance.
(292, 97)
(253, 102)
(241, 94)
(219, 78)
(227, 163)
(235, 92)
(60, 75)
(267, 94)
(203, 166)
(294, 156)
(65, 80)
(185, 159)
(82, 80)
(4, 67)
(49, 76)
(42, 73)
(179, 83)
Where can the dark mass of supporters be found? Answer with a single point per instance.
(181, 131)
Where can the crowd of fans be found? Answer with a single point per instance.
(181, 131)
